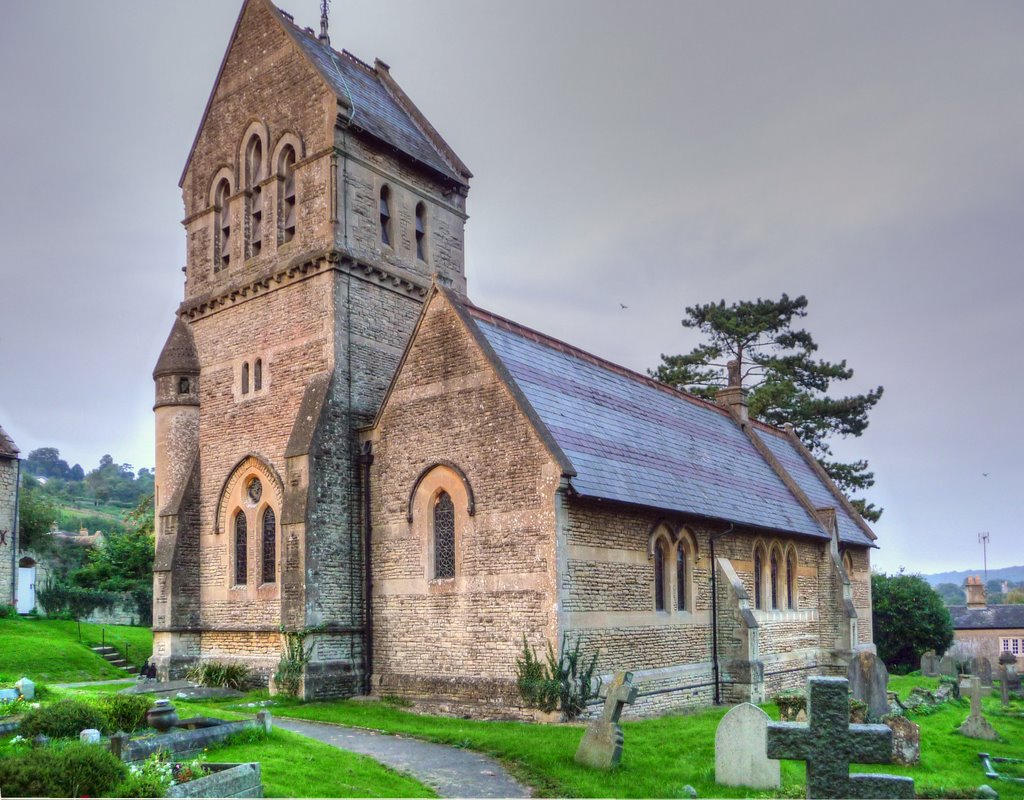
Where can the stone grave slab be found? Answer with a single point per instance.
(740, 743)
(7, 695)
(89, 736)
(929, 664)
(976, 726)
(948, 667)
(829, 743)
(602, 743)
(906, 740)
(869, 683)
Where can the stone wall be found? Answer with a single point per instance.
(455, 640)
(8, 529)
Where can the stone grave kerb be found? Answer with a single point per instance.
(829, 744)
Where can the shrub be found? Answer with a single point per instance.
(288, 677)
(152, 778)
(71, 770)
(64, 719)
(562, 683)
(8, 611)
(9, 708)
(214, 673)
(909, 618)
(125, 712)
(74, 602)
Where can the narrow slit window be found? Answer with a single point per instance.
(681, 578)
(245, 378)
(183, 386)
(659, 575)
(775, 580)
(254, 168)
(791, 581)
(269, 546)
(444, 537)
(257, 375)
(421, 232)
(241, 549)
(385, 216)
(223, 225)
(758, 570)
(288, 195)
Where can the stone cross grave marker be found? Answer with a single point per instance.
(976, 726)
(602, 743)
(829, 744)
(869, 682)
(740, 742)
(929, 664)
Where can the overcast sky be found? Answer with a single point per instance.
(657, 154)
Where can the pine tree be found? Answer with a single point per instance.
(755, 344)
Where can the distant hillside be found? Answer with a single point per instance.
(1001, 574)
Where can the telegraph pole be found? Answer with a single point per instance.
(983, 540)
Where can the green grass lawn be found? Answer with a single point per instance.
(48, 651)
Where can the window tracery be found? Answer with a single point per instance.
(241, 549)
(444, 536)
(269, 546)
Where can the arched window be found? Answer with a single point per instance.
(444, 536)
(758, 574)
(775, 579)
(245, 378)
(257, 375)
(681, 577)
(253, 171)
(287, 216)
(385, 215)
(421, 231)
(269, 546)
(791, 580)
(223, 225)
(659, 576)
(241, 549)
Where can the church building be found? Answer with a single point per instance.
(349, 448)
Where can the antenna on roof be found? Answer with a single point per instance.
(325, 10)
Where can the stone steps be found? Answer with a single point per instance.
(113, 657)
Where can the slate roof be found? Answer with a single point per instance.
(8, 449)
(179, 353)
(1001, 616)
(374, 108)
(633, 440)
(811, 485)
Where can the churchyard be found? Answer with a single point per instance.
(669, 756)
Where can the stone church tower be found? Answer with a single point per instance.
(319, 206)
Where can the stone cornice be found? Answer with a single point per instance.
(274, 276)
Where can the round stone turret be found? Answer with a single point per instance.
(177, 370)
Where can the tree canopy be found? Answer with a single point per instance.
(755, 344)
(908, 618)
(109, 482)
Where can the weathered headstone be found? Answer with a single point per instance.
(976, 726)
(740, 743)
(906, 740)
(869, 683)
(829, 744)
(982, 667)
(602, 743)
(265, 720)
(7, 695)
(118, 744)
(929, 664)
(27, 688)
(948, 690)
(948, 666)
(1008, 671)
(89, 736)
(918, 697)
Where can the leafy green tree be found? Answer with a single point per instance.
(951, 594)
(36, 513)
(1015, 597)
(46, 462)
(755, 344)
(908, 618)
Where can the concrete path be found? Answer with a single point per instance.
(450, 771)
(87, 684)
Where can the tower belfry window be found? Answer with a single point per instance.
(254, 168)
(287, 195)
(245, 378)
(257, 374)
(421, 232)
(385, 216)
(223, 225)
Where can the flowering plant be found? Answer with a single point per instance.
(8, 708)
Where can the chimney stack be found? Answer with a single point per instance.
(975, 592)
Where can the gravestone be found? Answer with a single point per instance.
(869, 683)
(982, 667)
(948, 667)
(7, 695)
(1008, 671)
(89, 736)
(265, 720)
(602, 743)
(27, 688)
(829, 744)
(976, 726)
(906, 740)
(740, 743)
(929, 664)
(1004, 692)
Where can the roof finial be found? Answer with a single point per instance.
(325, 8)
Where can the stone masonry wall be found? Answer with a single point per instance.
(456, 640)
(608, 591)
(8, 515)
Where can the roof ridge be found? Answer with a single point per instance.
(583, 355)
